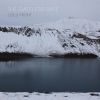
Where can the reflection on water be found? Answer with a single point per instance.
(50, 75)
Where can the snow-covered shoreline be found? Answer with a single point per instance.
(52, 96)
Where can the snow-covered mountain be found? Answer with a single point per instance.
(68, 36)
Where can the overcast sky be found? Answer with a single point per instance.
(28, 12)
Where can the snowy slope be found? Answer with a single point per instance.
(68, 36)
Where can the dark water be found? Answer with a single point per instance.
(50, 75)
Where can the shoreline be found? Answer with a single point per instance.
(52, 96)
(6, 56)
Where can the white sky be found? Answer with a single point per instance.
(48, 10)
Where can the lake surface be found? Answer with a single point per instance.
(50, 75)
